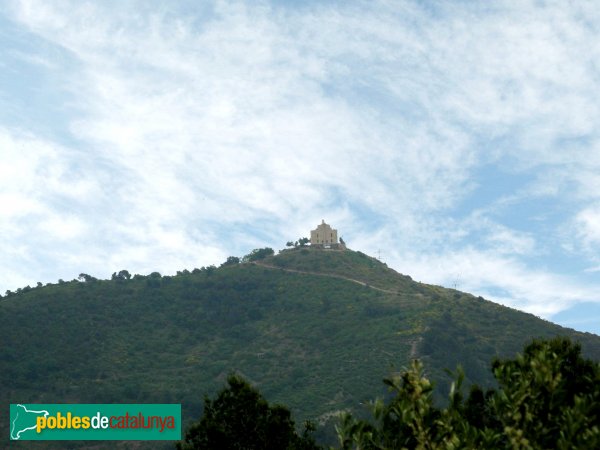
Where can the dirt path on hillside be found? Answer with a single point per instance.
(414, 343)
(330, 275)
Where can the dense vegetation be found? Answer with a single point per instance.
(240, 418)
(314, 341)
(549, 397)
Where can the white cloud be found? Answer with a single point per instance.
(194, 137)
(63, 228)
(34, 59)
(507, 241)
(486, 273)
(588, 224)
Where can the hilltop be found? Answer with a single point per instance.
(314, 329)
(446, 327)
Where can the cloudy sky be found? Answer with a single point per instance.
(461, 139)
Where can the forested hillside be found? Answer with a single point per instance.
(316, 330)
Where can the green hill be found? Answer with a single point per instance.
(314, 329)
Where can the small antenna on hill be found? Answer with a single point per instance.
(379, 254)
(456, 281)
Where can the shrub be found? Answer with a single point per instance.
(257, 254)
(240, 418)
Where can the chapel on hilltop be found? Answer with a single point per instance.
(325, 237)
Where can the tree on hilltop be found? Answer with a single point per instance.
(231, 261)
(85, 278)
(122, 275)
(258, 253)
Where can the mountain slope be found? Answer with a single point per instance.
(316, 330)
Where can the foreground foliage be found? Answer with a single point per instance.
(549, 397)
(240, 418)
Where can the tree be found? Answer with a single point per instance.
(549, 397)
(303, 241)
(209, 270)
(240, 418)
(84, 277)
(289, 244)
(122, 275)
(231, 261)
(257, 254)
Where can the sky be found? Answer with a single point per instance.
(459, 141)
